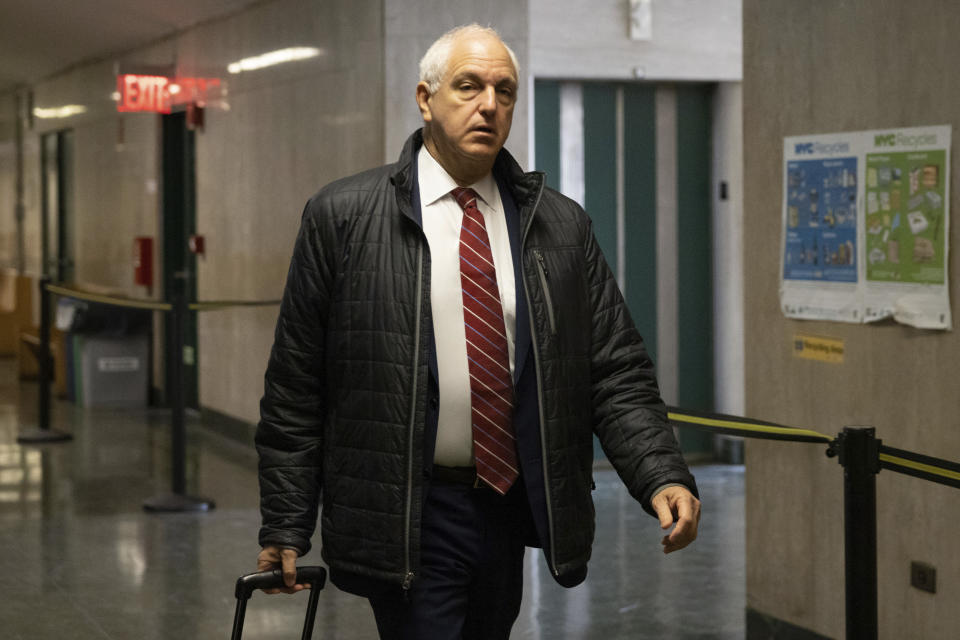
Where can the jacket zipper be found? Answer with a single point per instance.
(408, 577)
(552, 559)
(544, 274)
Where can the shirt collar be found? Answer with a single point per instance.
(435, 182)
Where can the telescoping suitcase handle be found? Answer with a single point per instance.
(246, 585)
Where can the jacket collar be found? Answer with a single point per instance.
(524, 187)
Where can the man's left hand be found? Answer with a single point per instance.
(677, 504)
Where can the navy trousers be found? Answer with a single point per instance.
(470, 582)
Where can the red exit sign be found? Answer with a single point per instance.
(158, 94)
(143, 93)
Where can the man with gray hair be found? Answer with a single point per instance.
(449, 341)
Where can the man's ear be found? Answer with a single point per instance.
(423, 101)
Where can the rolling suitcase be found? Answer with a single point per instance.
(246, 585)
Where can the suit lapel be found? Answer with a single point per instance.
(521, 336)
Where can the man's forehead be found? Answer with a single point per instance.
(473, 70)
(480, 54)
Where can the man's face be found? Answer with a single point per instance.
(469, 116)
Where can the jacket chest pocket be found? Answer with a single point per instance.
(561, 305)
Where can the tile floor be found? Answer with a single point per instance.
(83, 561)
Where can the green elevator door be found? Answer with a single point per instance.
(620, 180)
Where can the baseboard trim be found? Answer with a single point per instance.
(761, 626)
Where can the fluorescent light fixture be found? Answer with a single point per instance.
(271, 58)
(59, 112)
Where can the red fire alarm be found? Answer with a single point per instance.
(196, 245)
(143, 261)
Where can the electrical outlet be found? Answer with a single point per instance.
(923, 576)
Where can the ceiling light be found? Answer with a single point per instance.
(271, 58)
(59, 112)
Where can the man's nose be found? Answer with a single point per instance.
(488, 100)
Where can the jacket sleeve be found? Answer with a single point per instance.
(289, 437)
(630, 418)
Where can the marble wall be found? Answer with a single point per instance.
(8, 200)
(12, 254)
(845, 67)
(289, 130)
(8, 168)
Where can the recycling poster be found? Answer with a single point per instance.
(865, 226)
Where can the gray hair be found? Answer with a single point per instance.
(433, 65)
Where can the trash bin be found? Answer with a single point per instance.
(108, 354)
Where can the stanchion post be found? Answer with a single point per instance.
(43, 410)
(178, 409)
(43, 433)
(859, 451)
(177, 500)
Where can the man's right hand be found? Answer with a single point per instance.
(271, 558)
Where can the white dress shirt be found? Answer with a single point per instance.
(441, 223)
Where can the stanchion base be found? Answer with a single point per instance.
(176, 503)
(40, 436)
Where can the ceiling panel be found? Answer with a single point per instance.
(38, 38)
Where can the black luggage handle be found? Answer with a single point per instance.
(246, 585)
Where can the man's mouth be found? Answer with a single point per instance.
(484, 129)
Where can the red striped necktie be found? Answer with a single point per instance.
(491, 385)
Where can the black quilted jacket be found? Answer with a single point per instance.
(342, 417)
